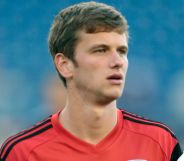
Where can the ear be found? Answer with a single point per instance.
(64, 65)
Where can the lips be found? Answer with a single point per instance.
(115, 76)
(115, 79)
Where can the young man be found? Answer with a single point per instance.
(89, 45)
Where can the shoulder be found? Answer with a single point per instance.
(146, 126)
(156, 132)
(20, 145)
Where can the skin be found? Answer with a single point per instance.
(91, 112)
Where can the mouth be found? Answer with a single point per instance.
(115, 79)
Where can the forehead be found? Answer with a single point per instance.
(109, 38)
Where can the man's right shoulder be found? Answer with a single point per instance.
(18, 147)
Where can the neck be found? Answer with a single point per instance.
(89, 122)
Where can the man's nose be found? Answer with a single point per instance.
(116, 60)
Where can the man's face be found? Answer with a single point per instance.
(101, 65)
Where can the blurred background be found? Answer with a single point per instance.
(30, 89)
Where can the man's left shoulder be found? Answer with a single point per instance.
(158, 132)
(154, 129)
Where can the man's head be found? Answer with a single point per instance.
(90, 17)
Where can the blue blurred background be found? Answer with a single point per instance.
(155, 80)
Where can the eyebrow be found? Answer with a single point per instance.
(125, 48)
(122, 47)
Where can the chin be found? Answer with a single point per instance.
(114, 95)
(110, 95)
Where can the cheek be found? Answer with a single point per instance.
(93, 64)
(126, 64)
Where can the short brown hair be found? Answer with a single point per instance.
(91, 17)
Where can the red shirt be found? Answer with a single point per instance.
(132, 138)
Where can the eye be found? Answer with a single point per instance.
(100, 50)
(123, 52)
